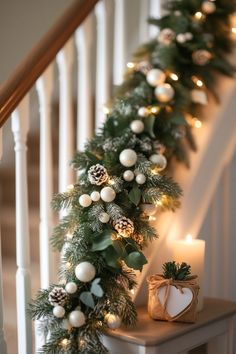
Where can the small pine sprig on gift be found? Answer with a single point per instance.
(176, 271)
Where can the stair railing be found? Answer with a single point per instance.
(83, 47)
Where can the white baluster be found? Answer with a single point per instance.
(102, 11)
(65, 61)
(143, 21)
(83, 39)
(3, 346)
(20, 120)
(155, 10)
(44, 86)
(119, 42)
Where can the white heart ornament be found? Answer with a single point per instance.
(177, 301)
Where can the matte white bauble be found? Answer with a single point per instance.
(85, 272)
(128, 157)
(66, 324)
(208, 7)
(159, 160)
(71, 287)
(128, 175)
(113, 321)
(148, 209)
(77, 318)
(95, 196)
(59, 311)
(137, 126)
(85, 200)
(104, 217)
(164, 92)
(143, 112)
(108, 194)
(140, 178)
(155, 77)
(181, 38)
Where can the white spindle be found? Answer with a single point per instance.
(3, 346)
(83, 39)
(65, 61)
(143, 18)
(44, 86)
(155, 10)
(119, 42)
(103, 60)
(20, 120)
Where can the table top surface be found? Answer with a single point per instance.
(149, 332)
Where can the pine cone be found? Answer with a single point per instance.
(138, 239)
(57, 296)
(124, 226)
(97, 174)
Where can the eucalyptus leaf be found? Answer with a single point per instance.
(135, 195)
(136, 260)
(102, 242)
(96, 289)
(149, 125)
(111, 257)
(87, 298)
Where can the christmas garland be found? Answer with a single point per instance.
(121, 181)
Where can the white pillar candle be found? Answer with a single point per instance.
(192, 252)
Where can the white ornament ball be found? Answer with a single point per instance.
(208, 7)
(85, 272)
(143, 112)
(164, 93)
(59, 311)
(66, 324)
(188, 36)
(181, 38)
(137, 126)
(71, 287)
(155, 77)
(159, 160)
(77, 318)
(113, 321)
(104, 218)
(85, 200)
(128, 157)
(95, 196)
(140, 178)
(128, 175)
(108, 194)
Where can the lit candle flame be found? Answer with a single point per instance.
(189, 238)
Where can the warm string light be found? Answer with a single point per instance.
(174, 77)
(132, 291)
(152, 218)
(233, 30)
(70, 187)
(106, 110)
(193, 121)
(130, 65)
(111, 182)
(197, 81)
(65, 342)
(154, 109)
(69, 235)
(199, 15)
(68, 265)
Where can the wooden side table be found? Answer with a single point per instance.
(216, 326)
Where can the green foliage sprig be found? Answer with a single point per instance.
(114, 247)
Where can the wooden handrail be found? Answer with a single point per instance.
(25, 75)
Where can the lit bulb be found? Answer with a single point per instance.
(132, 291)
(64, 342)
(233, 30)
(174, 77)
(158, 203)
(68, 265)
(155, 109)
(152, 218)
(197, 123)
(199, 83)
(111, 182)
(189, 238)
(130, 65)
(198, 15)
(106, 110)
(70, 187)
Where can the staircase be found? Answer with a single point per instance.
(76, 69)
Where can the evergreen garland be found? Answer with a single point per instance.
(121, 181)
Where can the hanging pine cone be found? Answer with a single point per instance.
(124, 226)
(97, 174)
(57, 296)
